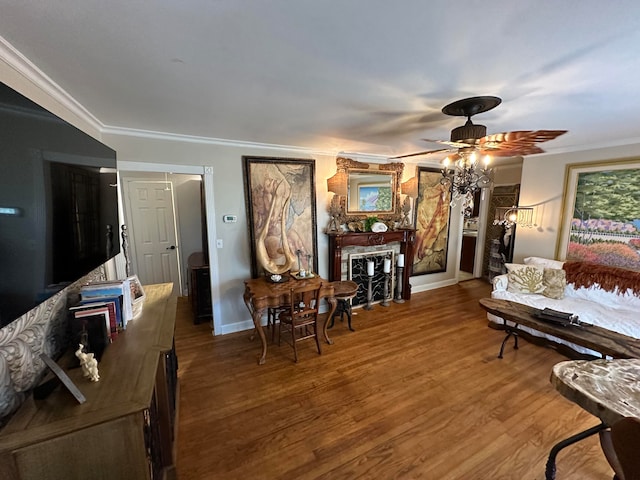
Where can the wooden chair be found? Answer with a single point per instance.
(272, 316)
(300, 319)
(625, 438)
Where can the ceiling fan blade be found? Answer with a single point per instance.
(516, 152)
(452, 144)
(427, 152)
(521, 142)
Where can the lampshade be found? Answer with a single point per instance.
(410, 187)
(338, 183)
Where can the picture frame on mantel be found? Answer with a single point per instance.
(432, 213)
(280, 198)
(600, 221)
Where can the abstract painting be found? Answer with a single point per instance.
(431, 217)
(281, 205)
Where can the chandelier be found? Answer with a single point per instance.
(465, 175)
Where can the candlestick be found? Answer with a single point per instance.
(387, 265)
(370, 272)
(298, 254)
(399, 280)
(385, 295)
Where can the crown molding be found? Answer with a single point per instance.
(31, 73)
(178, 137)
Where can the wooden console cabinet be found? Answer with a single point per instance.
(199, 287)
(406, 237)
(125, 429)
(468, 253)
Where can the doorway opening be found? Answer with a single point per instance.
(164, 218)
(188, 190)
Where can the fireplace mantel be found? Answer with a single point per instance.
(406, 238)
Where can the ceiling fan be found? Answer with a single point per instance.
(473, 137)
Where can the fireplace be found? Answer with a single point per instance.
(345, 246)
(358, 273)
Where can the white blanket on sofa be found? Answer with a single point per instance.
(617, 311)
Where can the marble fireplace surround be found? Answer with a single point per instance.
(342, 245)
(357, 272)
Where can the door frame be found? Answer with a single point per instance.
(126, 188)
(210, 216)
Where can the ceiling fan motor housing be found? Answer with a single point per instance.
(468, 131)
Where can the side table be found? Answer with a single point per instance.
(344, 291)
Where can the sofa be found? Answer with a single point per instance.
(608, 297)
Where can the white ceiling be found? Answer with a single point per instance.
(364, 76)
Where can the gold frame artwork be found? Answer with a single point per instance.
(588, 231)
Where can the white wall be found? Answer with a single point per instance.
(542, 186)
(229, 198)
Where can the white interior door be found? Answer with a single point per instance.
(151, 216)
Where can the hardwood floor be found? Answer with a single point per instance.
(415, 392)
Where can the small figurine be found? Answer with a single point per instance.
(88, 363)
(337, 215)
(406, 209)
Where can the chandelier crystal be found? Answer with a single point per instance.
(465, 174)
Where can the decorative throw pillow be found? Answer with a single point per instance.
(524, 278)
(554, 281)
(543, 262)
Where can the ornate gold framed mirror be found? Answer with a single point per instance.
(368, 189)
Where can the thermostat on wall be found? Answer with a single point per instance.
(229, 218)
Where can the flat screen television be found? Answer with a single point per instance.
(58, 204)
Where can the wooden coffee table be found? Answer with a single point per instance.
(606, 342)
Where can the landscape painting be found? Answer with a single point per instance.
(375, 198)
(601, 220)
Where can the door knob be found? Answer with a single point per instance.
(172, 247)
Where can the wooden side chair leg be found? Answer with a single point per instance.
(295, 344)
(315, 331)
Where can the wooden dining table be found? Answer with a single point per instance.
(261, 294)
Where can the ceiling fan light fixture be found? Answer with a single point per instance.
(468, 133)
